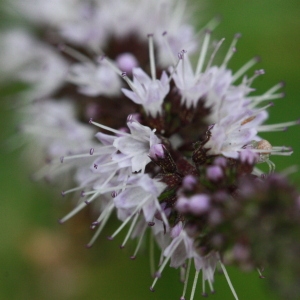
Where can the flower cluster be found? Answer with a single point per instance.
(178, 145)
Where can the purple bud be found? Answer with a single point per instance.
(220, 161)
(189, 182)
(214, 173)
(126, 62)
(248, 156)
(199, 204)
(182, 205)
(157, 151)
(176, 230)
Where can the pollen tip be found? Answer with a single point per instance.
(150, 35)
(61, 159)
(262, 277)
(61, 47)
(204, 295)
(152, 289)
(257, 58)
(182, 298)
(82, 194)
(123, 74)
(282, 83)
(298, 122)
(271, 104)
(157, 275)
(91, 121)
(110, 238)
(150, 224)
(213, 292)
(133, 257)
(121, 246)
(88, 246)
(238, 35)
(60, 221)
(87, 202)
(285, 129)
(282, 95)
(260, 72)
(101, 58)
(63, 193)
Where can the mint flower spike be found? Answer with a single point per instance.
(178, 146)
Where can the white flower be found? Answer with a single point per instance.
(142, 196)
(148, 92)
(94, 80)
(30, 61)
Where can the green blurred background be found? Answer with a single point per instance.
(40, 259)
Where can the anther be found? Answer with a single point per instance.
(259, 72)
(152, 289)
(94, 225)
(121, 246)
(164, 33)
(133, 257)
(95, 166)
(63, 193)
(91, 121)
(61, 159)
(110, 238)
(150, 224)
(92, 151)
(82, 194)
(114, 194)
(123, 74)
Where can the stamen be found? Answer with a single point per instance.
(63, 193)
(139, 243)
(106, 213)
(228, 281)
(130, 230)
(265, 97)
(78, 208)
(245, 68)
(163, 265)
(74, 53)
(186, 279)
(151, 56)
(129, 218)
(231, 50)
(109, 128)
(214, 53)
(260, 273)
(204, 294)
(152, 257)
(166, 42)
(203, 52)
(194, 285)
(277, 127)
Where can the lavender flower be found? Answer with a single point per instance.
(175, 157)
